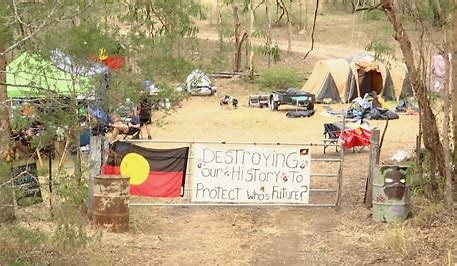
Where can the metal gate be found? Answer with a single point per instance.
(325, 184)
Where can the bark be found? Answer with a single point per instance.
(239, 39)
(6, 192)
(251, 31)
(446, 123)
(289, 36)
(454, 99)
(285, 10)
(431, 138)
(440, 14)
(267, 11)
(219, 26)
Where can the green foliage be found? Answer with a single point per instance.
(166, 67)
(428, 11)
(268, 50)
(5, 31)
(81, 42)
(218, 60)
(69, 191)
(380, 48)
(374, 15)
(19, 245)
(164, 17)
(69, 235)
(278, 79)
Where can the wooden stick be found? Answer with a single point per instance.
(39, 157)
(67, 143)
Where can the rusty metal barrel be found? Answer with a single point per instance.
(391, 194)
(111, 202)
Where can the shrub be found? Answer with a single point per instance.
(278, 79)
(375, 15)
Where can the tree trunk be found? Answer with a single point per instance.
(251, 31)
(306, 15)
(238, 43)
(454, 98)
(432, 141)
(300, 21)
(289, 36)
(289, 26)
(267, 11)
(439, 12)
(219, 26)
(6, 191)
(446, 123)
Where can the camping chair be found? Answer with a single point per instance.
(332, 132)
(134, 133)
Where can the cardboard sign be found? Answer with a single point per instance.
(252, 174)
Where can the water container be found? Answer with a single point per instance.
(391, 195)
(111, 202)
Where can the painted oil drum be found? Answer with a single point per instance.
(111, 203)
(391, 194)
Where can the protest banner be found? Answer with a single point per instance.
(251, 174)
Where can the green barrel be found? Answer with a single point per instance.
(391, 194)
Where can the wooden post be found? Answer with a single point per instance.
(374, 160)
(95, 157)
(340, 170)
(6, 190)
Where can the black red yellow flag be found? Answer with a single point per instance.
(152, 172)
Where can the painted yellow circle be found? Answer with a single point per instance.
(136, 167)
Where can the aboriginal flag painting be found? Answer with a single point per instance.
(152, 172)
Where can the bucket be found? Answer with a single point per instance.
(111, 202)
(391, 195)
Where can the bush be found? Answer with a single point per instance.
(278, 79)
(375, 15)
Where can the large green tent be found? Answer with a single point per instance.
(32, 76)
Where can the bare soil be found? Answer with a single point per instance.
(279, 235)
(262, 235)
(270, 235)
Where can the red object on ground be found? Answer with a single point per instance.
(356, 137)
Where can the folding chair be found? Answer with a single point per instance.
(332, 134)
(134, 133)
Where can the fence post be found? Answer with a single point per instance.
(95, 158)
(340, 169)
(374, 160)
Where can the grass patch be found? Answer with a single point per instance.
(278, 79)
(398, 240)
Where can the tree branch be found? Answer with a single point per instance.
(39, 28)
(16, 14)
(312, 32)
(259, 4)
(369, 8)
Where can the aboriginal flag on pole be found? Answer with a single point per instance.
(152, 172)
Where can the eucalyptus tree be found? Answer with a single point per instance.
(431, 16)
(39, 27)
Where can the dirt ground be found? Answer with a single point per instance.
(271, 235)
(259, 235)
(268, 235)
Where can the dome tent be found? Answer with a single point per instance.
(198, 83)
(343, 80)
(33, 76)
